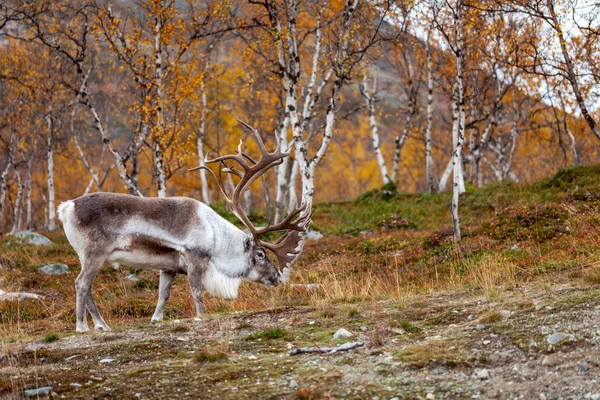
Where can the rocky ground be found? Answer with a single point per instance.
(443, 346)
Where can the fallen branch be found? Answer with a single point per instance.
(329, 350)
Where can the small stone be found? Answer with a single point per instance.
(545, 360)
(293, 384)
(583, 367)
(595, 396)
(107, 360)
(549, 308)
(39, 391)
(342, 334)
(430, 396)
(483, 374)
(33, 238)
(486, 342)
(75, 385)
(560, 337)
(55, 269)
(133, 277)
(71, 357)
(34, 347)
(252, 357)
(19, 296)
(363, 328)
(398, 331)
(313, 235)
(542, 396)
(311, 322)
(480, 327)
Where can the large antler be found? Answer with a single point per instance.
(288, 247)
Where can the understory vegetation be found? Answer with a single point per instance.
(383, 246)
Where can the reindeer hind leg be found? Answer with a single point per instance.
(83, 287)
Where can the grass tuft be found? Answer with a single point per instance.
(49, 337)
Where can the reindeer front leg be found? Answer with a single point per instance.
(164, 291)
(196, 266)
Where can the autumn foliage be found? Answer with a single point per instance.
(128, 95)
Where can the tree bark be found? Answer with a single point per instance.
(460, 123)
(50, 160)
(369, 96)
(201, 134)
(432, 185)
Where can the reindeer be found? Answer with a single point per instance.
(182, 235)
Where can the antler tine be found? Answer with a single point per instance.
(288, 248)
(259, 140)
(287, 224)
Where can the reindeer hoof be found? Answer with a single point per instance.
(82, 329)
(103, 328)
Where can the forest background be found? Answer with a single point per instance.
(128, 95)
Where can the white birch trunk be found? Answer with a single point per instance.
(369, 96)
(432, 185)
(18, 210)
(29, 187)
(565, 121)
(200, 137)
(282, 187)
(460, 121)
(4, 189)
(159, 152)
(50, 160)
(292, 197)
(161, 176)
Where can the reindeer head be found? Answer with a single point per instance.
(288, 247)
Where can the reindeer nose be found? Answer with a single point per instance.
(275, 280)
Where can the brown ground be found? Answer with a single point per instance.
(432, 345)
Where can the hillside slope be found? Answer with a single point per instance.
(513, 311)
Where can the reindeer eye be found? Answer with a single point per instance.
(260, 254)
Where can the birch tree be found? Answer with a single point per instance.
(454, 40)
(339, 47)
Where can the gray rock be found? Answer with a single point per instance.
(293, 384)
(75, 385)
(55, 269)
(363, 328)
(559, 337)
(483, 374)
(34, 347)
(314, 235)
(133, 278)
(583, 367)
(480, 327)
(19, 296)
(38, 391)
(33, 238)
(342, 334)
(107, 360)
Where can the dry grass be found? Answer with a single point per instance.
(492, 274)
(511, 238)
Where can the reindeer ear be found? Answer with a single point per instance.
(247, 243)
